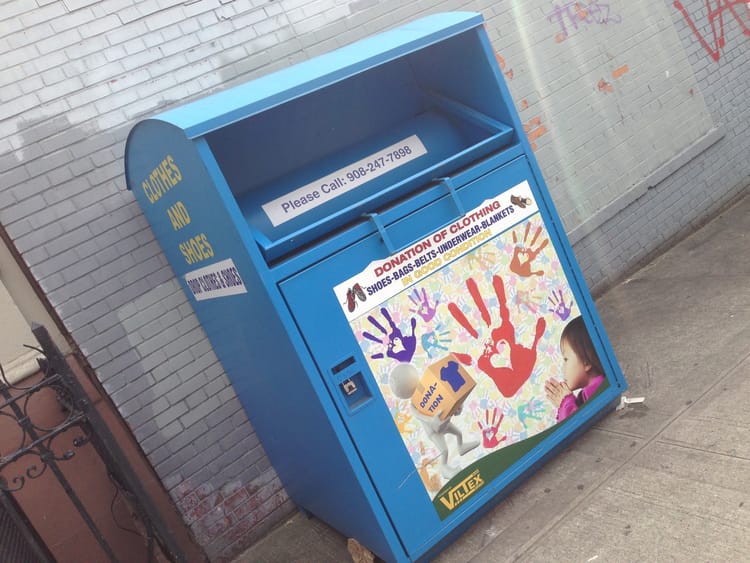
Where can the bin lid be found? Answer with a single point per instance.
(228, 106)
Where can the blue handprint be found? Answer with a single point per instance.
(530, 410)
(399, 347)
(433, 341)
(422, 305)
(559, 308)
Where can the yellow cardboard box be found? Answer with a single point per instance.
(442, 388)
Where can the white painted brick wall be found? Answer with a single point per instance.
(77, 74)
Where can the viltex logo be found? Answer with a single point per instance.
(458, 494)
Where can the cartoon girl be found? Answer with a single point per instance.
(581, 370)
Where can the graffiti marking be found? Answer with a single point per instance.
(717, 13)
(576, 12)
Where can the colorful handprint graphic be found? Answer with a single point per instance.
(433, 342)
(507, 378)
(482, 259)
(422, 305)
(526, 299)
(431, 481)
(490, 429)
(524, 254)
(530, 411)
(559, 308)
(398, 346)
(403, 420)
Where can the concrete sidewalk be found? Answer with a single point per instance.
(666, 481)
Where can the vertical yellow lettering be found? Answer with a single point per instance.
(162, 179)
(178, 215)
(196, 249)
(175, 169)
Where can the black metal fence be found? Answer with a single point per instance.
(19, 542)
(38, 452)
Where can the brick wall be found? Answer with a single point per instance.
(698, 188)
(77, 74)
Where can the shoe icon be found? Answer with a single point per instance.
(352, 294)
(359, 292)
(521, 202)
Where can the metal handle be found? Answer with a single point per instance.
(378, 221)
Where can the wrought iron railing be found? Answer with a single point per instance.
(39, 450)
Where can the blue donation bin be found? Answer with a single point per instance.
(369, 244)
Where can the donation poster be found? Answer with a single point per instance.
(462, 332)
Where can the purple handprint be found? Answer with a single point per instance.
(559, 308)
(422, 304)
(399, 347)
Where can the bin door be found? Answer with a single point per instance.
(437, 353)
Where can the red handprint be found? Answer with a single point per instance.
(489, 432)
(508, 379)
(523, 255)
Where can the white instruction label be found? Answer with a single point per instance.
(336, 183)
(216, 280)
